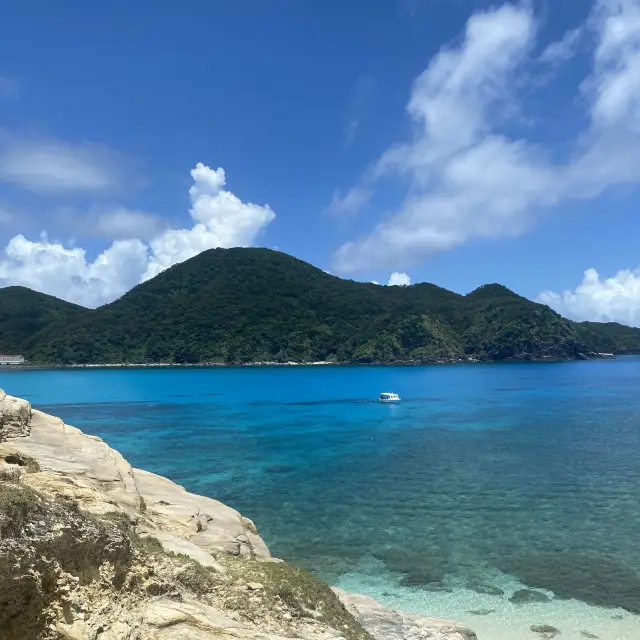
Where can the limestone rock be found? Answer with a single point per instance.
(387, 624)
(10, 472)
(15, 414)
(45, 547)
(87, 468)
(165, 613)
(176, 544)
(13, 458)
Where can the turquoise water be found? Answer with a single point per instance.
(484, 473)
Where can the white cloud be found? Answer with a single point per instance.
(467, 179)
(399, 280)
(615, 299)
(563, 49)
(350, 203)
(615, 84)
(206, 181)
(55, 166)
(456, 163)
(66, 273)
(221, 220)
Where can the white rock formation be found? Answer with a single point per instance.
(85, 468)
(382, 622)
(14, 416)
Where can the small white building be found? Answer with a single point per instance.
(6, 359)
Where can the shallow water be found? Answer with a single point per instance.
(512, 476)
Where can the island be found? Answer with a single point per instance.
(250, 305)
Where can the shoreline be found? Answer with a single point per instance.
(494, 617)
(320, 363)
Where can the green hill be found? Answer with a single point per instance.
(609, 337)
(24, 312)
(243, 305)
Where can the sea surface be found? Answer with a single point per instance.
(484, 480)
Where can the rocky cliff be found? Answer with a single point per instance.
(93, 549)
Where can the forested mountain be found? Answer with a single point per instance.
(244, 305)
(609, 337)
(24, 312)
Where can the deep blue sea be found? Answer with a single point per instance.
(519, 475)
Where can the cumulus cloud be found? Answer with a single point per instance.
(55, 166)
(467, 177)
(615, 299)
(221, 220)
(399, 280)
(66, 273)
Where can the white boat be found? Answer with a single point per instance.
(389, 397)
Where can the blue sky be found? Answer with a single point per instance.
(459, 142)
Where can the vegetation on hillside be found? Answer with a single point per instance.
(24, 312)
(609, 337)
(251, 305)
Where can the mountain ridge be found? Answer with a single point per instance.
(233, 306)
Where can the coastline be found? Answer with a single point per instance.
(320, 363)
